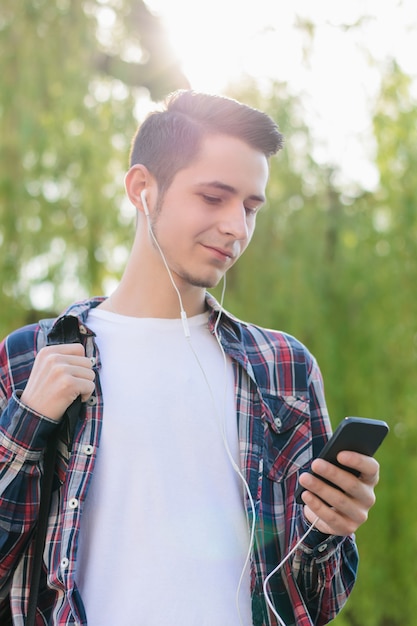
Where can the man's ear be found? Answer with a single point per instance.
(137, 180)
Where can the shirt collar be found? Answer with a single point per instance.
(230, 331)
(229, 327)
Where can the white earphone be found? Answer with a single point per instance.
(144, 202)
(235, 467)
(152, 234)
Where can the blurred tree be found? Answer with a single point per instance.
(338, 269)
(335, 267)
(71, 74)
(386, 326)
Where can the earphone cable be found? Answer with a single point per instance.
(278, 567)
(222, 425)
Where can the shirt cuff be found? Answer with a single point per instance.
(320, 545)
(24, 431)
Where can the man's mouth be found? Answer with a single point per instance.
(221, 253)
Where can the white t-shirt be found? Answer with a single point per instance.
(164, 535)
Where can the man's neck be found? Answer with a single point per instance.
(147, 290)
(138, 296)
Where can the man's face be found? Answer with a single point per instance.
(207, 215)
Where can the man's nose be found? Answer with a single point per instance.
(234, 222)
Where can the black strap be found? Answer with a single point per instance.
(65, 331)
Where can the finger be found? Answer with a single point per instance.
(83, 378)
(320, 488)
(64, 348)
(86, 390)
(331, 472)
(80, 372)
(367, 466)
(331, 521)
(341, 482)
(81, 362)
(352, 504)
(60, 363)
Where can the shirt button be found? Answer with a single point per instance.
(88, 450)
(322, 548)
(92, 401)
(64, 563)
(82, 329)
(73, 503)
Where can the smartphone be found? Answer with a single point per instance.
(357, 434)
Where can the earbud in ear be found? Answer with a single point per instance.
(144, 203)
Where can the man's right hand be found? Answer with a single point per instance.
(59, 375)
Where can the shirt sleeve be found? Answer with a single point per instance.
(23, 437)
(325, 566)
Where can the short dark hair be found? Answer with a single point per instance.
(169, 139)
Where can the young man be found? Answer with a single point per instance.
(175, 499)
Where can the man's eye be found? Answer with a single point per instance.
(211, 199)
(251, 210)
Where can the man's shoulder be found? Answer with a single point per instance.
(252, 336)
(275, 337)
(33, 336)
(82, 308)
(23, 337)
(263, 340)
(279, 362)
(17, 353)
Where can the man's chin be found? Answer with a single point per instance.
(208, 282)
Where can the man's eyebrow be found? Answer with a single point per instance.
(217, 184)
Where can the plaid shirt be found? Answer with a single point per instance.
(282, 422)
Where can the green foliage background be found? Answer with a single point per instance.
(339, 271)
(336, 267)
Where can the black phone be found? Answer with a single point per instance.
(357, 434)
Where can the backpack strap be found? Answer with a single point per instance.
(63, 330)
